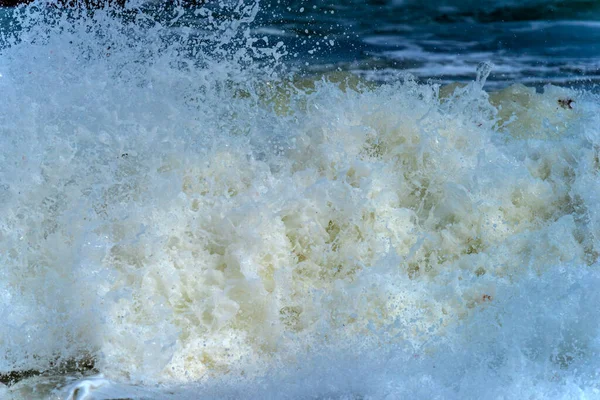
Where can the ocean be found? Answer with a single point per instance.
(234, 199)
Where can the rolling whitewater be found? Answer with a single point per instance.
(259, 200)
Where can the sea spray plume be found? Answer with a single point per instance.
(87, 93)
(405, 225)
(201, 35)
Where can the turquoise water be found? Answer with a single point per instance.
(205, 202)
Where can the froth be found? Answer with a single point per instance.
(178, 231)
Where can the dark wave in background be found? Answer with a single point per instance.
(533, 42)
(529, 41)
(368, 14)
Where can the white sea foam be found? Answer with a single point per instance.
(185, 219)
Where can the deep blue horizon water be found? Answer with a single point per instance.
(300, 200)
(534, 42)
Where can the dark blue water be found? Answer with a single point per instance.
(531, 41)
(528, 41)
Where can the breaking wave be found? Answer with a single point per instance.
(181, 216)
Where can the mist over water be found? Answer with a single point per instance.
(184, 215)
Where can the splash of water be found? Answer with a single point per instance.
(179, 211)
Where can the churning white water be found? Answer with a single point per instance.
(184, 220)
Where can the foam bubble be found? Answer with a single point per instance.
(182, 225)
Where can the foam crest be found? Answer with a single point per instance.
(175, 218)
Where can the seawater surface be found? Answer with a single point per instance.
(533, 41)
(183, 216)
